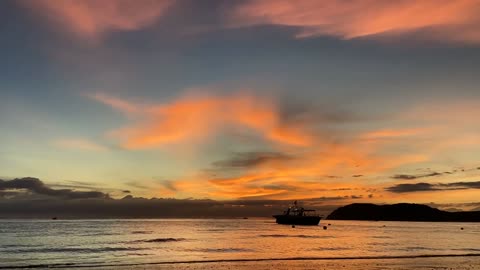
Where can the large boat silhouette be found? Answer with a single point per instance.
(295, 215)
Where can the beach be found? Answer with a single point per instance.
(436, 263)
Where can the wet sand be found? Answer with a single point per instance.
(435, 263)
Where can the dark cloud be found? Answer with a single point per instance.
(170, 185)
(280, 187)
(432, 174)
(338, 189)
(36, 186)
(357, 175)
(404, 176)
(473, 185)
(126, 191)
(251, 159)
(411, 176)
(404, 188)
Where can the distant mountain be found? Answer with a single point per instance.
(400, 212)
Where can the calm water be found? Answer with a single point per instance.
(99, 242)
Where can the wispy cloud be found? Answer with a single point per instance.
(411, 176)
(116, 103)
(79, 144)
(393, 133)
(90, 19)
(194, 118)
(251, 159)
(445, 20)
(405, 188)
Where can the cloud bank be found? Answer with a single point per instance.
(439, 20)
(19, 199)
(36, 186)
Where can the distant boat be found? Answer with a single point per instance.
(298, 216)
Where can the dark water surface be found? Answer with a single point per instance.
(121, 242)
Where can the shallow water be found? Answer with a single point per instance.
(117, 242)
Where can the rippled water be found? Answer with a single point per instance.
(100, 242)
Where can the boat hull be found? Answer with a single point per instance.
(297, 220)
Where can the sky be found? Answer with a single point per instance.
(331, 102)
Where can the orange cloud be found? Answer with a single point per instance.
(450, 20)
(93, 18)
(308, 158)
(456, 127)
(306, 175)
(393, 133)
(196, 118)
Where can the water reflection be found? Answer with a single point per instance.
(141, 241)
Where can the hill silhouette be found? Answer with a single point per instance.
(400, 212)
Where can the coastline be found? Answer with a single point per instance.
(450, 263)
(418, 262)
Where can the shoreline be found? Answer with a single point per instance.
(471, 258)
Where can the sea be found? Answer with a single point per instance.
(131, 242)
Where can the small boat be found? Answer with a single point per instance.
(298, 216)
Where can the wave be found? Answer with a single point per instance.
(141, 232)
(416, 248)
(297, 236)
(98, 234)
(213, 230)
(221, 250)
(162, 240)
(19, 245)
(382, 237)
(72, 249)
(83, 265)
(330, 248)
(468, 249)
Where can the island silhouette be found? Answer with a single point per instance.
(400, 212)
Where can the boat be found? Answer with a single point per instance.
(295, 215)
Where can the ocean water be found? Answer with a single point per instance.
(130, 242)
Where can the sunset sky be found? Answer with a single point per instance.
(339, 101)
